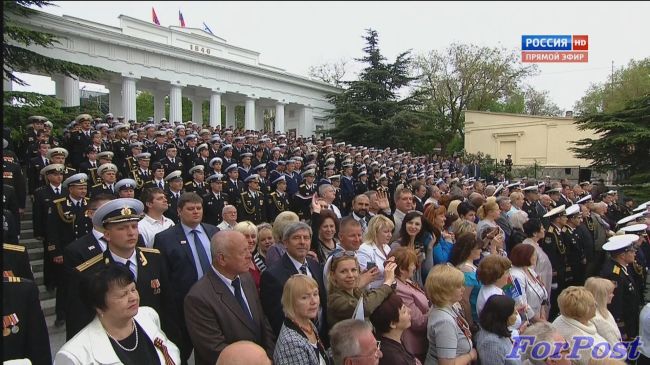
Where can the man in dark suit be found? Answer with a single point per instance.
(186, 259)
(297, 239)
(35, 165)
(119, 220)
(223, 307)
(360, 209)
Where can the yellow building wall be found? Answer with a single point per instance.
(528, 138)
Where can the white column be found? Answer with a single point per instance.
(114, 99)
(58, 87)
(279, 117)
(215, 109)
(249, 114)
(159, 105)
(230, 115)
(70, 91)
(176, 103)
(306, 123)
(259, 118)
(128, 98)
(197, 109)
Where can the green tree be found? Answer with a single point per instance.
(463, 77)
(628, 83)
(17, 58)
(369, 111)
(144, 105)
(20, 105)
(623, 143)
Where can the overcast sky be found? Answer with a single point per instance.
(296, 35)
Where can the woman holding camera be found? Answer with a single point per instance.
(375, 249)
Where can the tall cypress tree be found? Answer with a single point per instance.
(369, 111)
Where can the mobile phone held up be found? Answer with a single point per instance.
(371, 265)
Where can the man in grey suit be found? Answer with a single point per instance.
(185, 248)
(223, 307)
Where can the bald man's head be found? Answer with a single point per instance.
(243, 353)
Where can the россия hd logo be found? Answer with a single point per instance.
(554, 48)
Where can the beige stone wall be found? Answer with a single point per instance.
(527, 138)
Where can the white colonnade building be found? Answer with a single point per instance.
(175, 62)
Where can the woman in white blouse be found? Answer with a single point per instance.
(375, 248)
(603, 292)
(534, 295)
(577, 309)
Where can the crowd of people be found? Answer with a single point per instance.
(166, 239)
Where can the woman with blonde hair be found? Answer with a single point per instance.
(278, 249)
(603, 292)
(298, 341)
(264, 242)
(517, 201)
(488, 213)
(450, 339)
(577, 309)
(344, 292)
(375, 248)
(249, 230)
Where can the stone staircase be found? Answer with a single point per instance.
(35, 250)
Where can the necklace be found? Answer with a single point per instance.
(118, 342)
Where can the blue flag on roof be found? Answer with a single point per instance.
(207, 29)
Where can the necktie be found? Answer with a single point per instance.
(131, 268)
(111, 187)
(240, 297)
(303, 269)
(200, 252)
(47, 162)
(56, 191)
(160, 185)
(92, 165)
(364, 225)
(78, 204)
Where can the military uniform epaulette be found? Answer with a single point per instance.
(188, 183)
(90, 262)
(17, 248)
(97, 185)
(60, 200)
(302, 185)
(11, 279)
(616, 270)
(551, 229)
(149, 250)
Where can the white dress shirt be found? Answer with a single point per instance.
(134, 262)
(100, 239)
(149, 227)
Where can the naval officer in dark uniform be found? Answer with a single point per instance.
(214, 200)
(250, 204)
(625, 304)
(24, 331)
(66, 223)
(118, 221)
(278, 201)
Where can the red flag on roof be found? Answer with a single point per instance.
(154, 17)
(180, 19)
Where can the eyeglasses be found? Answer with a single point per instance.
(339, 254)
